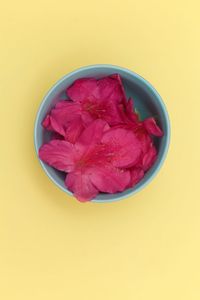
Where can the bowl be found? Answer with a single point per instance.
(147, 102)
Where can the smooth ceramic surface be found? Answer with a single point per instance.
(146, 100)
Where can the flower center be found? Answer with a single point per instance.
(97, 110)
(100, 155)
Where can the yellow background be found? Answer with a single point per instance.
(145, 247)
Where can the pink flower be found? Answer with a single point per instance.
(127, 112)
(152, 128)
(97, 161)
(143, 131)
(65, 119)
(131, 120)
(98, 139)
(91, 99)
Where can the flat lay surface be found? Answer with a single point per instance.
(144, 247)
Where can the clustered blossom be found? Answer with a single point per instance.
(98, 139)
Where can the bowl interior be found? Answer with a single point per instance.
(146, 100)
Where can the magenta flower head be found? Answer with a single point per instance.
(90, 99)
(97, 162)
(98, 139)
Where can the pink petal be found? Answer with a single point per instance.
(136, 175)
(57, 126)
(101, 109)
(91, 135)
(59, 154)
(47, 123)
(144, 139)
(80, 184)
(108, 179)
(129, 106)
(62, 103)
(87, 118)
(74, 130)
(128, 116)
(81, 89)
(130, 111)
(124, 145)
(109, 88)
(65, 112)
(152, 127)
(112, 114)
(118, 78)
(61, 116)
(149, 158)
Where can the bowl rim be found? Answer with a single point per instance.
(158, 97)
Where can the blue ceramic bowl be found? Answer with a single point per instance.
(147, 101)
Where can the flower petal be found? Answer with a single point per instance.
(91, 135)
(80, 184)
(136, 175)
(109, 179)
(59, 154)
(149, 158)
(125, 146)
(62, 103)
(74, 130)
(65, 112)
(112, 113)
(131, 114)
(87, 118)
(82, 89)
(152, 127)
(104, 109)
(47, 123)
(57, 126)
(109, 88)
(121, 87)
(61, 116)
(129, 117)
(144, 138)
